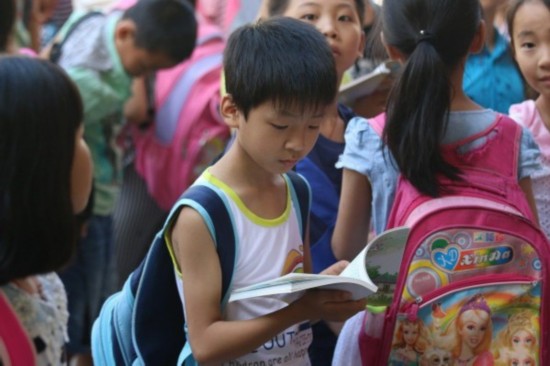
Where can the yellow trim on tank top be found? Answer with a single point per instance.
(245, 210)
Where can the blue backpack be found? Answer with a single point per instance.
(144, 323)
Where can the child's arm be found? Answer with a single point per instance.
(213, 339)
(527, 188)
(354, 211)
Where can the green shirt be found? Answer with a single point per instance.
(90, 58)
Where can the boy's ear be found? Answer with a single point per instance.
(229, 111)
(125, 30)
(479, 38)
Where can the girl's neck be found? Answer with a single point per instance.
(489, 18)
(28, 284)
(543, 107)
(332, 127)
(459, 100)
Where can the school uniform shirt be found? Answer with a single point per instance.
(90, 58)
(492, 79)
(266, 249)
(527, 115)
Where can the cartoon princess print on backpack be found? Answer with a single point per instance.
(470, 289)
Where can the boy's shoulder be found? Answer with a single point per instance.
(88, 45)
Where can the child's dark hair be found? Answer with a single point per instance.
(166, 26)
(7, 20)
(513, 7)
(40, 113)
(280, 59)
(435, 36)
(278, 7)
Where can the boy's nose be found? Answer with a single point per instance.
(296, 142)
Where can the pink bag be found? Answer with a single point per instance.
(474, 269)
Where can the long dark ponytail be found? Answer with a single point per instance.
(434, 36)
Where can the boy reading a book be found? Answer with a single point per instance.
(277, 97)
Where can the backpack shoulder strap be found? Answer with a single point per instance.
(158, 314)
(377, 123)
(60, 39)
(14, 340)
(200, 64)
(301, 195)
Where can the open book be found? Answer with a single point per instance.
(354, 278)
(368, 83)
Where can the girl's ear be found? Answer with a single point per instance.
(229, 111)
(479, 38)
(362, 45)
(392, 51)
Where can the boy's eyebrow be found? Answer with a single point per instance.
(287, 113)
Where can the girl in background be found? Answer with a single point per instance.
(529, 26)
(46, 174)
(429, 120)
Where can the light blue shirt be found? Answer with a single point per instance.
(366, 154)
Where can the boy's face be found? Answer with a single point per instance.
(274, 139)
(137, 61)
(339, 21)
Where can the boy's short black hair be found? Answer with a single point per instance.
(280, 59)
(278, 7)
(167, 26)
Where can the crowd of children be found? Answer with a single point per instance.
(61, 165)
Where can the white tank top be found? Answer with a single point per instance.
(265, 249)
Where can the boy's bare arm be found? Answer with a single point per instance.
(353, 220)
(213, 339)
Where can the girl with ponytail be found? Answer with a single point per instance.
(429, 123)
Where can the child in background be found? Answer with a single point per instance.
(427, 110)
(101, 56)
(40, 137)
(277, 97)
(491, 77)
(529, 24)
(340, 21)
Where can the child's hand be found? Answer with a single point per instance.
(336, 268)
(329, 305)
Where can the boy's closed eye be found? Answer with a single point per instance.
(279, 127)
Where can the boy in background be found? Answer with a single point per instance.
(101, 54)
(277, 97)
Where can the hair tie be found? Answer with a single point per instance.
(425, 36)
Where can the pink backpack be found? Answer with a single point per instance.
(473, 282)
(188, 132)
